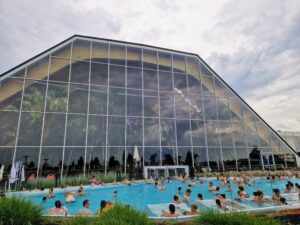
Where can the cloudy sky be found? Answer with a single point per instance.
(253, 45)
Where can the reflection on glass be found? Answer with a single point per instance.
(80, 72)
(183, 133)
(34, 96)
(98, 100)
(149, 59)
(57, 97)
(54, 129)
(168, 137)
(134, 103)
(99, 74)
(117, 76)
(134, 57)
(116, 131)
(76, 130)
(99, 52)
(117, 54)
(198, 133)
(97, 131)
(151, 106)
(78, 98)
(178, 63)
(229, 159)
(134, 133)
(165, 62)
(134, 78)
(151, 132)
(116, 101)
(10, 93)
(59, 69)
(8, 128)
(81, 50)
(166, 101)
(29, 156)
(193, 66)
(150, 80)
(215, 159)
(38, 70)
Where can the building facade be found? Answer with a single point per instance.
(87, 103)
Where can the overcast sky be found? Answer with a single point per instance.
(253, 45)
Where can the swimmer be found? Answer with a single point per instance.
(85, 210)
(70, 197)
(171, 212)
(200, 197)
(176, 199)
(186, 197)
(58, 210)
(50, 193)
(194, 210)
(211, 187)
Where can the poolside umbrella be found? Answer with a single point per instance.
(1, 172)
(12, 177)
(136, 155)
(23, 174)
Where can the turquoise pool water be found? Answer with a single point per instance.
(140, 195)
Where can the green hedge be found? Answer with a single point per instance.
(19, 211)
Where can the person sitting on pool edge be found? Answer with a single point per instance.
(186, 197)
(194, 210)
(171, 212)
(85, 210)
(58, 210)
(176, 199)
(219, 204)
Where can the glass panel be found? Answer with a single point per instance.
(212, 133)
(38, 70)
(134, 57)
(210, 108)
(223, 109)
(74, 160)
(181, 106)
(180, 82)
(30, 129)
(19, 74)
(221, 89)
(64, 52)
(215, 159)
(290, 158)
(149, 59)
(236, 109)
(168, 156)
(274, 140)
(95, 159)
(97, 131)
(168, 132)
(200, 158)
(229, 159)
(151, 107)
(193, 65)
(78, 98)
(255, 158)
(165, 62)
(239, 134)
(29, 156)
(166, 105)
(279, 158)
(99, 73)
(98, 100)
(54, 129)
(263, 135)
(152, 137)
(134, 135)
(59, 69)
(178, 63)
(165, 81)
(134, 103)
(81, 50)
(34, 96)
(198, 133)
(100, 52)
(6, 157)
(51, 159)
(196, 109)
(226, 133)
(152, 156)
(76, 130)
(116, 101)
(8, 128)
(57, 97)
(251, 134)
(116, 131)
(185, 156)
(248, 115)
(80, 72)
(297, 140)
(204, 70)
(117, 76)
(242, 159)
(10, 94)
(194, 84)
(150, 80)
(183, 133)
(134, 78)
(117, 54)
(207, 86)
(116, 158)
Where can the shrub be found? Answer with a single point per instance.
(216, 218)
(19, 211)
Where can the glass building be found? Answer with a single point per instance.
(87, 103)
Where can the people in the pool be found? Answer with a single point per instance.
(80, 191)
(179, 190)
(217, 191)
(57, 210)
(85, 209)
(199, 197)
(70, 197)
(241, 193)
(50, 193)
(171, 213)
(211, 187)
(186, 197)
(258, 196)
(194, 210)
(176, 199)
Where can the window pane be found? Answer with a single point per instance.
(242, 159)
(196, 109)
(152, 156)
(215, 159)
(64, 52)
(34, 96)
(29, 156)
(251, 134)
(99, 73)
(151, 107)
(134, 103)
(152, 137)
(221, 90)
(74, 160)
(76, 130)
(134, 78)
(192, 65)
(149, 59)
(78, 98)
(223, 109)
(165, 62)
(236, 109)
(99, 52)
(168, 156)
(134, 134)
(116, 131)
(198, 133)
(210, 110)
(134, 56)
(181, 106)
(185, 156)
(8, 128)
(263, 135)
(168, 132)
(166, 104)
(212, 133)
(98, 100)
(30, 129)
(54, 129)
(81, 50)
(51, 159)
(97, 131)
(57, 97)
(10, 93)
(180, 82)
(150, 80)
(207, 86)
(165, 81)
(183, 132)
(117, 54)
(116, 158)
(194, 84)
(116, 101)
(200, 158)
(204, 70)
(178, 63)
(80, 72)
(38, 70)
(6, 157)
(239, 134)
(117, 76)
(59, 69)
(95, 159)
(229, 159)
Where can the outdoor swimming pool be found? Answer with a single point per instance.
(140, 195)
